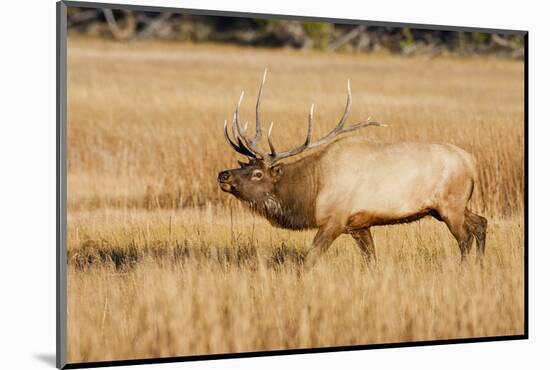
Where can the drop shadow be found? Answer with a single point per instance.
(47, 358)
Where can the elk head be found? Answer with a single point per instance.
(252, 181)
(256, 180)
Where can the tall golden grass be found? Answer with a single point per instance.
(161, 263)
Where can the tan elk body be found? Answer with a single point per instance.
(350, 184)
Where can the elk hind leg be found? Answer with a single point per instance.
(363, 238)
(456, 222)
(478, 226)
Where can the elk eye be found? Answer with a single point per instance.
(257, 174)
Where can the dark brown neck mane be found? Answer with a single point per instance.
(292, 204)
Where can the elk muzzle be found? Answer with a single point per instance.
(225, 179)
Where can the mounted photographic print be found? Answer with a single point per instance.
(234, 185)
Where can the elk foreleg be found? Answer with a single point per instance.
(364, 241)
(322, 241)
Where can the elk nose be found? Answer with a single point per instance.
(224, 176)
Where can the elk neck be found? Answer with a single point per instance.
(292, 206)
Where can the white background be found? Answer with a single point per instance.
(27, 193)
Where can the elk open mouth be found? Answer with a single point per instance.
(227, 187)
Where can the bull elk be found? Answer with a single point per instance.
(353, 184)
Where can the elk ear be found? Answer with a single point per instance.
(276, 171)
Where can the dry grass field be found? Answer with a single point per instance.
(162, 263)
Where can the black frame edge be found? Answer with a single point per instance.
(61, 185)
(161, 360)
(526, 182)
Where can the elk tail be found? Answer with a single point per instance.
(472, 167)
(475, 181)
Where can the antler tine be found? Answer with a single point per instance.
(237, 121)
(234, 127)
(270, 142)
(237, 129)
(274, 156)
(258, 135)
(363, 124)
(347, 110)
(236, 135)
(309, 125)
(344, 117)
(238, 148)
(228, 138)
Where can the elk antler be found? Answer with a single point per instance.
(338, 130)
(251, 149)
(242, 145)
